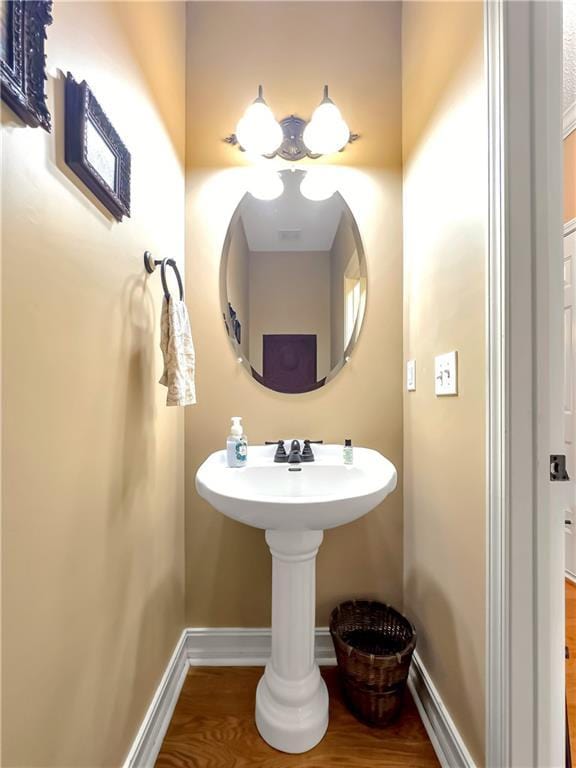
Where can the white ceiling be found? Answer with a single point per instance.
(291, 222)
(569, 53)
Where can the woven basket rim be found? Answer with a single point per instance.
(351, 650)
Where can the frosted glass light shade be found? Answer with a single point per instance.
(317, 185)
(326, 139)
(265, 184)
(327, 112)
(327, 131)
(257, 131)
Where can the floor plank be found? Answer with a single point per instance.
(571, 662)
(213, 727)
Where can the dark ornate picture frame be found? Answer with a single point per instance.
(94, 150)
(22, 60)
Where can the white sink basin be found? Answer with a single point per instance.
(308, 496)
(294, 503)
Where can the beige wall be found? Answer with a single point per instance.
(445, 225)
(356, 48)
(570, 177)
(93, 561)
(290, 293)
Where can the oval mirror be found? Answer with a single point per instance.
(293, 282)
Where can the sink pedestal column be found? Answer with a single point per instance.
(291, 699)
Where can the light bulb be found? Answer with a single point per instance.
(317, 185)
(327, 131)
(265, 184)
(257, 131)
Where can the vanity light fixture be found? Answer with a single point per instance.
(293, 138)
(258, 131)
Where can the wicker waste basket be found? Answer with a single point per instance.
(374, 645)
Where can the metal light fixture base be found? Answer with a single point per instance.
(292, 147)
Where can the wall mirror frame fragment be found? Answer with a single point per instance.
(22, 59)
(293, 286)
(94, 150)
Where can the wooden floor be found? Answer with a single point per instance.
(571, 663)
(213, 727)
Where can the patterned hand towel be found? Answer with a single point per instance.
(178, 350)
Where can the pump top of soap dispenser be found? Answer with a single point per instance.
(236, 428)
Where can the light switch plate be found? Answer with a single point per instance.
(411, 375)
(446, 374)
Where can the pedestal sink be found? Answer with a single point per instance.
(294, 504)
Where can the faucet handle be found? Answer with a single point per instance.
(280, 456)
(307, 454)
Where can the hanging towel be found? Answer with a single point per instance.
(178, 350)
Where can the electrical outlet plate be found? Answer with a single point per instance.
(411, 375)
(446, 374)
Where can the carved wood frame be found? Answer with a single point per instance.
(81, 108)
(22, 77)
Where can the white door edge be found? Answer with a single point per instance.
(525, 671)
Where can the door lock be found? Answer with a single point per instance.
(558, 471)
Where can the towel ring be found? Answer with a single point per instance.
(150, 264)
(171, 263)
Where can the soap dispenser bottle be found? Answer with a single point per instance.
(237, 444)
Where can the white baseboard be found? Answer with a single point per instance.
(569, 120)
(149, 738)
(235, 647)
(570, 576)
(447, 742)
(244, 647)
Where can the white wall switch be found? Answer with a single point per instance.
(446, 374)
(411, 375)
